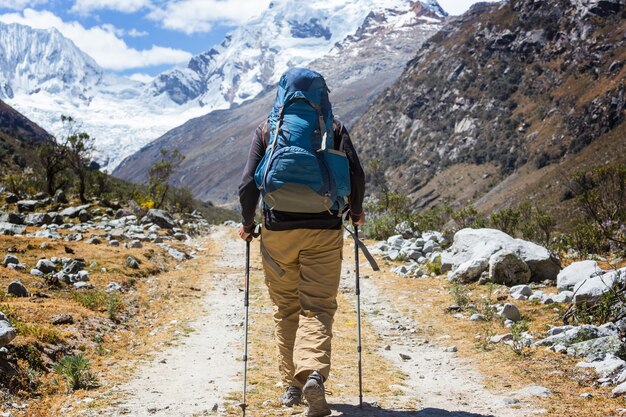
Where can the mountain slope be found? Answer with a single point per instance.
(503, 103)
(19, 138)
(216, 145)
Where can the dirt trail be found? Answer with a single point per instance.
(442, 383)
(193, 377)
(198, 374)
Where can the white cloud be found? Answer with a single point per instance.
(191, 16)
(100, 42)
(134, 33)
(20, 4)
(125, 6)
(143, 78)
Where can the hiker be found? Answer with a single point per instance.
(302, 237)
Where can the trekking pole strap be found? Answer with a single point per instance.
(364, 249)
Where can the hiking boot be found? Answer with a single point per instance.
(292, 396)
(315, 397)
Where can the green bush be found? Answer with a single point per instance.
(75, 371)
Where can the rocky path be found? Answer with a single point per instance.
(195, 377)
(439, 381)
(192, 378)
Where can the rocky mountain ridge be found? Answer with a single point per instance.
(500, 93)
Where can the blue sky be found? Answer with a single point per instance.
(141, 38)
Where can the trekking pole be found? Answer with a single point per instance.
(243, 405)
(358, 312)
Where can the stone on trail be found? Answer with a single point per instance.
(534, 391)
(575, 273)
(405, 357)
(26, 205)
(17, 289)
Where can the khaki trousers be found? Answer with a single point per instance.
(302, 269)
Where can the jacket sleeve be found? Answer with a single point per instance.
(248, 191)
(357, 176)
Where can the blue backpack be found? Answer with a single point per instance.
(301, 171)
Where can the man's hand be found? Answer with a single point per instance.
(360, 221)
(242, 232)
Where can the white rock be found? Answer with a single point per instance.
(590, 290)
(506, 267)
(510, 312)
(482, 243)
(575, 273)
(519, 291)
(469, 271)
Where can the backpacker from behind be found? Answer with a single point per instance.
(301, 172)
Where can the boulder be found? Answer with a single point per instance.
(597, 348)
(577, 272)
(11, 198)
(38, 219)
(122, 213)
(10, 259)
(26, 205)
(63, 318)
(73, 212)
(60, 197)
(601, 8)
(510, 312)
(508, 268)
(73, 267)
(84, 216)
(568, 335)
(46, 266)
(159, 217)
(17, 289)
(36, 272)
(7, 332)
(132, 262)
(610, 365)
(563, 297)
(10, 229)
(176, 254)
(482, 243)
(12, 217)
(469, 271)
(592, 289)
(520, 292)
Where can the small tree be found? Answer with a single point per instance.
(80, 148)
(160, 174)
(53, 158)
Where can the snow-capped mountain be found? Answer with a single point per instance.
(289, 33)
(45, 75)
(36, 60)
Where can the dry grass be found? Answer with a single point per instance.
(503, 370)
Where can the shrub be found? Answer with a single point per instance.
(506, 220)
(75, 370)
(601, 194)
(517, 331)
(459, 293)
